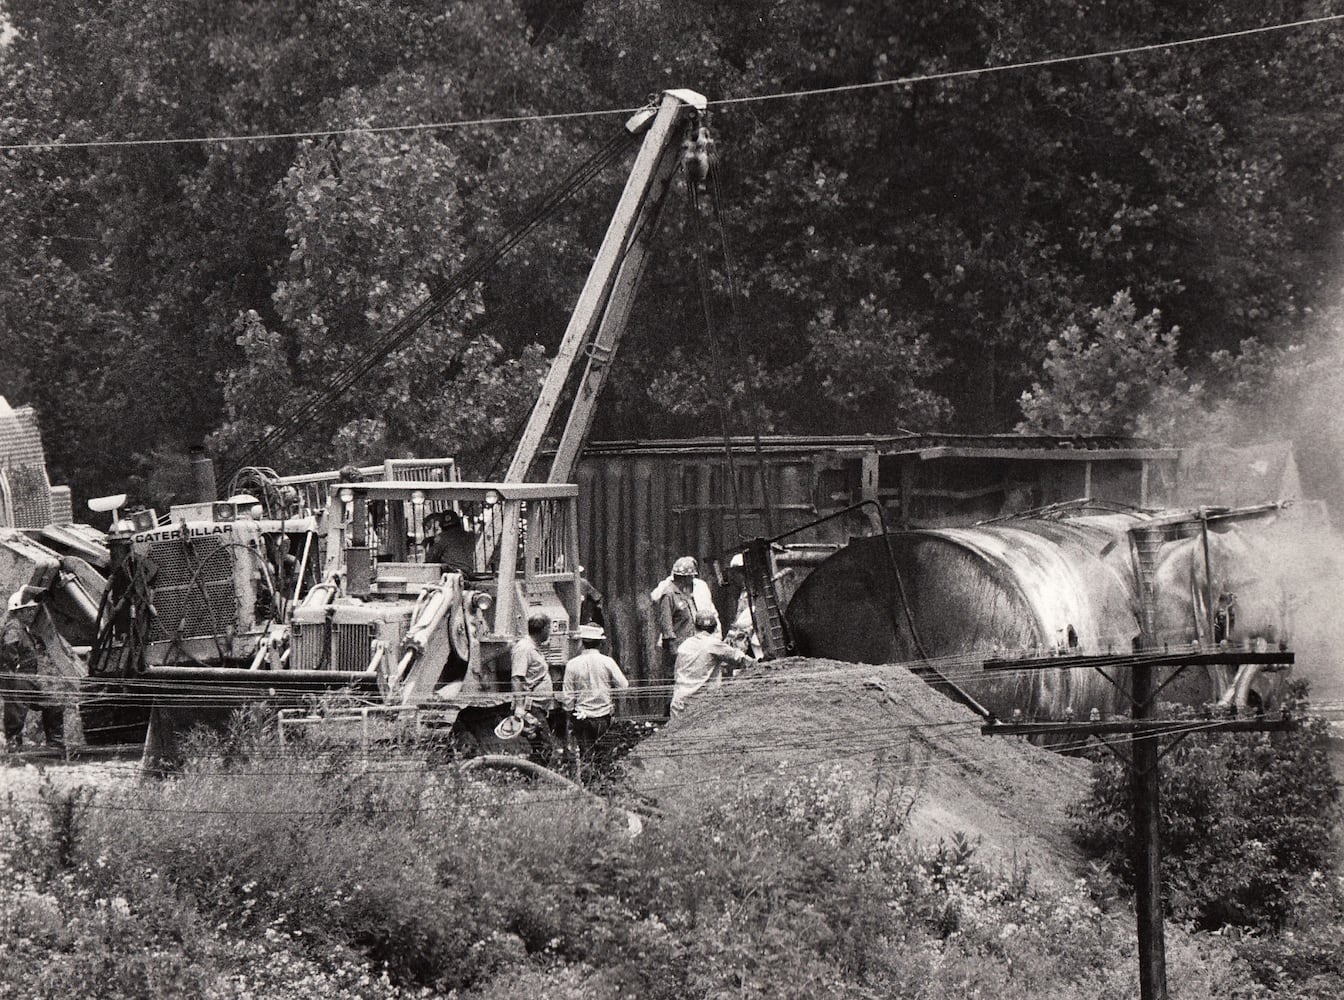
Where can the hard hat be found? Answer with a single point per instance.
(705, 622)
(591, 630)
(737, 562)
(509, 727)
(20, 600)
(685, 566)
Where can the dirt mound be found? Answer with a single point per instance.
(784, 721)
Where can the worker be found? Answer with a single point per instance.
(429, 530)
(677, 600)
(454, 546)
(586, 690)
(700, 661)
(741, 633)
(590, 598)
(530, 679)
(25, 674)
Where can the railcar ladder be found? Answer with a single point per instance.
(766, 613)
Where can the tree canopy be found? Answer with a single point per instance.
(971, 253)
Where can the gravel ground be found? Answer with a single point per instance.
(22, 775)
(799, 715)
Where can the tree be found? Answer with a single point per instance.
(1120, 375)
(360, 261)
(978, 216)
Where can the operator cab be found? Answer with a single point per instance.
(517, 545)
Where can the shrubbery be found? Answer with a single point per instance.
(1248, 824)
(320, 874)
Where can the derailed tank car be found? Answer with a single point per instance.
(1064, 583)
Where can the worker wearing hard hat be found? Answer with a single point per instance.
(742, 632)
(701, 660)
(677, 600)
(587, 689)
(24, 665)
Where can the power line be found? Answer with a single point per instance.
(951, 761)
(1035, 63)
(504, 120)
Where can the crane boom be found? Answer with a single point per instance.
(600, 315)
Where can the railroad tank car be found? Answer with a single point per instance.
(1060, 585)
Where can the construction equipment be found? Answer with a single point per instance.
(51, 573)
(225, 602)
(440, 639)
(672, 133)
(191, 599)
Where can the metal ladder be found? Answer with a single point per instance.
(773, 633)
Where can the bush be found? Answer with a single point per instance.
(1246, 824)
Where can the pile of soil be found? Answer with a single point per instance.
(783, 721)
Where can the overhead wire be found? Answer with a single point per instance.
(808, 92)
(1031, 660)
(245, 686)
(797, 684)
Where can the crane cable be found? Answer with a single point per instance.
(716, 353)
(753, 411)
(756, 423)
(443, 292)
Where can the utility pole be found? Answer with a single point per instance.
(1147, 843)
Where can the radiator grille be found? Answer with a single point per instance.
(351, 644)
(554, 650)
(197, 595)
(308, 646)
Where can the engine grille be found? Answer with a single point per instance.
(554, 650)
(197, 595)
(351, 645)
(308, 646)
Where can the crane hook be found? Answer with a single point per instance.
(698, 154)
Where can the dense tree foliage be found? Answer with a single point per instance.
(905, 256)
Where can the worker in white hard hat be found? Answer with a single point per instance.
(701, 661)
(586, 690)
(677, 600)
(23, 668)
(742, 632)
